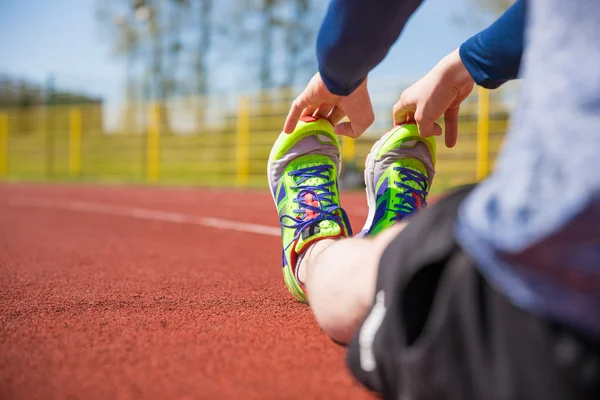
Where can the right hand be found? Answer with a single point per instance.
(438, 93)
(317, 101)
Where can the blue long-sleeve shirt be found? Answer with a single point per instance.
(356, 35)
(493, 56)
(534, 225)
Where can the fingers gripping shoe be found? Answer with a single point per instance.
(303, 169)
(398, 174)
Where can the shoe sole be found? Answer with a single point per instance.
(288, 274)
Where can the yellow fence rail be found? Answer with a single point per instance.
(218, 140)
(153, 150)
(483, 133)
(75, 142)
(3, 144)
(242, 146)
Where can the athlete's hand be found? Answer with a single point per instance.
(318, 101)
(438, 93)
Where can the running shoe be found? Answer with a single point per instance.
(303, 170)
(398, 174)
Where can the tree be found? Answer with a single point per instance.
(147, 34)
(203, 12)
(168, 45)
(282, 34)
(116, 21)
(269, 22)
(205, 29)
(300, 29)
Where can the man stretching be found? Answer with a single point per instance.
(493, 292)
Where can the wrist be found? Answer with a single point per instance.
(337, 88)
(455, 70)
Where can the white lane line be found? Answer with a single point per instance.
(147, 214)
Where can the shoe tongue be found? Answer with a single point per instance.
(413, 165)
(315, 180)
(323, 229)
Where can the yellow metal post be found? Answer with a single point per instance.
(243, 142)
(75, 141)
(483, 132)
(3, 144)
(348, 149)
(153, 145)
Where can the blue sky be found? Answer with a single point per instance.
(61, 38)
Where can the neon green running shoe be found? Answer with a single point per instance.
(398, 174)
(303, 170)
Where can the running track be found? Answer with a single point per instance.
(155, 293)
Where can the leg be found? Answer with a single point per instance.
(398, 174)
(340, 276)
(340, 305)
(438, 330)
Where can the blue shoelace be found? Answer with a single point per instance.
(321, 193)
(409, 204)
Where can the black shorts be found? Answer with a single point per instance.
(438, 331)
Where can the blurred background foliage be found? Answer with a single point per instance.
(175, 125)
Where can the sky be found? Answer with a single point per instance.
(60, 38)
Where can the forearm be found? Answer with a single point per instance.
(355, 36)
(493, 56)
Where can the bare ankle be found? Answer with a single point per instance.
(309, 256)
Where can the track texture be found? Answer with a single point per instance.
(96, 306)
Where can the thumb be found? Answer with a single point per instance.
(357, 106)
(347, 129)
(428, 128)
(360, 120)
(404, 109)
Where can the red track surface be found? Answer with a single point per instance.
(101, 306)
